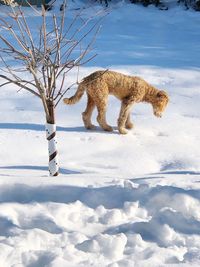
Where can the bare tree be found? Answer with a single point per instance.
(47, 59)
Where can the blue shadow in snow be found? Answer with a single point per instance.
(179, 172)
(109, 196)
(6, 226)
(38, 168)
(38, 127)
(161, 175)
(152, 230)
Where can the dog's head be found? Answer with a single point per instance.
(160, 102)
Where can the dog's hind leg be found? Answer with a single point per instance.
(101, 118)
(87, 114)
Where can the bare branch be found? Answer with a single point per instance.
(51, 56)
(11, 48)
(60, 95)
(18, 83)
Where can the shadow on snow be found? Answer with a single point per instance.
(37, 127)
(38, 168)
(109, 196)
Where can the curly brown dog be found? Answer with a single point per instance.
(128, 89)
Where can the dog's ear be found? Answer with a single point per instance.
(161, 94)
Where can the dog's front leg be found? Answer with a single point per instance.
(124, 115)
(129, 124)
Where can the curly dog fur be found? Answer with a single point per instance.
(128, 89)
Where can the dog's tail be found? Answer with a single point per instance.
(75, 98)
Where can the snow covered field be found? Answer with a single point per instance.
(120, 201)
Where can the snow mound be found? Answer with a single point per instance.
(160, 224)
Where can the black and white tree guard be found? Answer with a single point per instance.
(52, 148)
(51, 138)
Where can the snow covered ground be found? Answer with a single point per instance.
(120, 201)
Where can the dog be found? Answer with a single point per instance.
(128, 89)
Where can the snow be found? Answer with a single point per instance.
(120, 201)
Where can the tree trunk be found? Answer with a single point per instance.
(52, 143)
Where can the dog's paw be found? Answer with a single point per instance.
(108, 128)
(91, 127)
(129, 125)
(122, 130)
